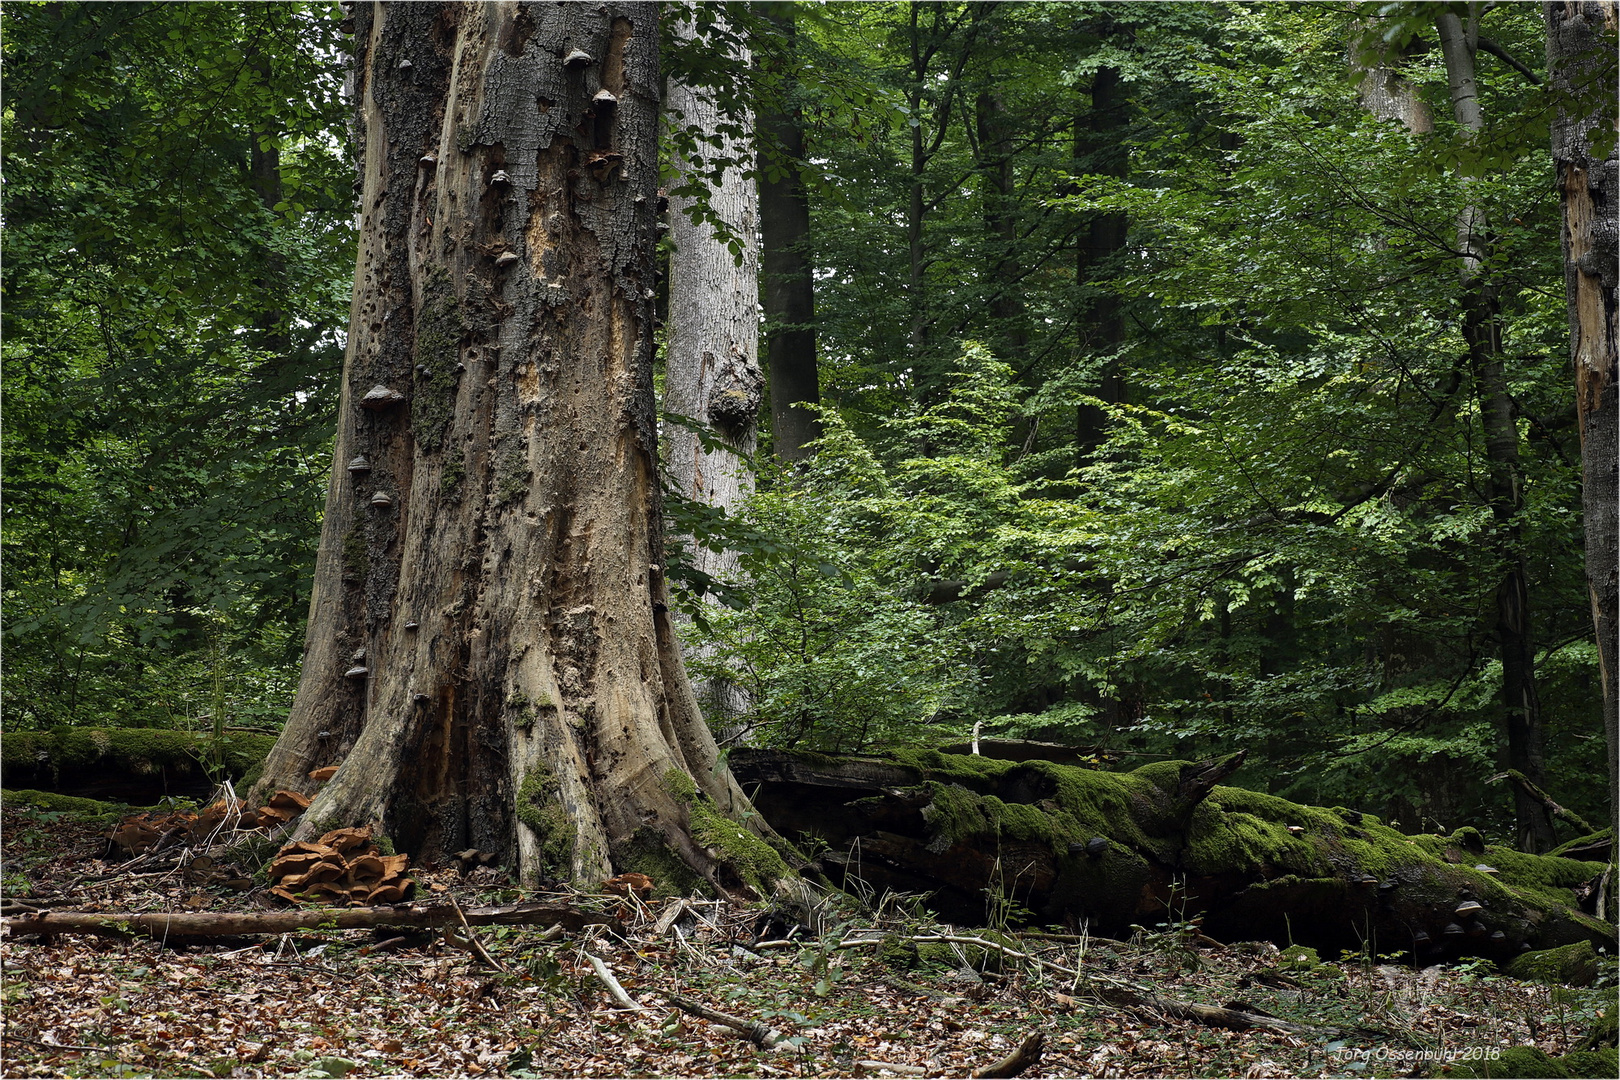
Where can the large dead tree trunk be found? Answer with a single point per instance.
(1581, 65)
(711, 366)
(489, 659)
(1161, 845)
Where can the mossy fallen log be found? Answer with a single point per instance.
(134, 765)
(51, 802)
(1163, 844)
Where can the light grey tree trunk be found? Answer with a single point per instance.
(1582, 69)
(711, 367)
(490, 660)
(1526, 734)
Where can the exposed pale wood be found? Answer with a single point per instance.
(614, 989)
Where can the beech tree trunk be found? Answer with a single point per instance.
(490, 659)
(1526, 734)
(1102, 326)
(711, 366)
(1581, 65)
(995, 132)
(790, 310)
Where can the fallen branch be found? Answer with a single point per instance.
(206, 924)
(1523, 783)
(1028, 1054)
(1213, 1015)
(760, 1035)
(476, 946)
(615, 991)
(902, 1070)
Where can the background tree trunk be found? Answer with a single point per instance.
(790, 310)
(711, 367)
(1526, 736)
(1100, 145)
(489, 656)
(1581, 66)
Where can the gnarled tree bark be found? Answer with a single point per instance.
(490, 660)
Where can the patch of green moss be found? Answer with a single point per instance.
(452, 478)
(540, 810)
(439, 330)
(356, 559)
(1299, 958)
(1532, 1064)
(756, 862)
(63, 804)
(1604, 1032)
(512, 476)
(1589, 841)
(1575, 964)
(952, 956)
(646, 853)
(900, 953)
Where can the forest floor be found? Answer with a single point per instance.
(334, 1003)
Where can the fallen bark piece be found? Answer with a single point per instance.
(1027, 1055)
(205, 924)
(765, 1037)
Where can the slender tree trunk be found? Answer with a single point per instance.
(1526, 736)
(1102, 326)
(711, 368)
(490, 659)
(789, 301)
(1001, 224)
(1582, 68)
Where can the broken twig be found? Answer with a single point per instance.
(758, 1034)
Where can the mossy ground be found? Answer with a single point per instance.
(51, 802)
(1575, 964)
(547, 1014)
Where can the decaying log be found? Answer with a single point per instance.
(1026, 1056)
(1161, 844)
(207, 924)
